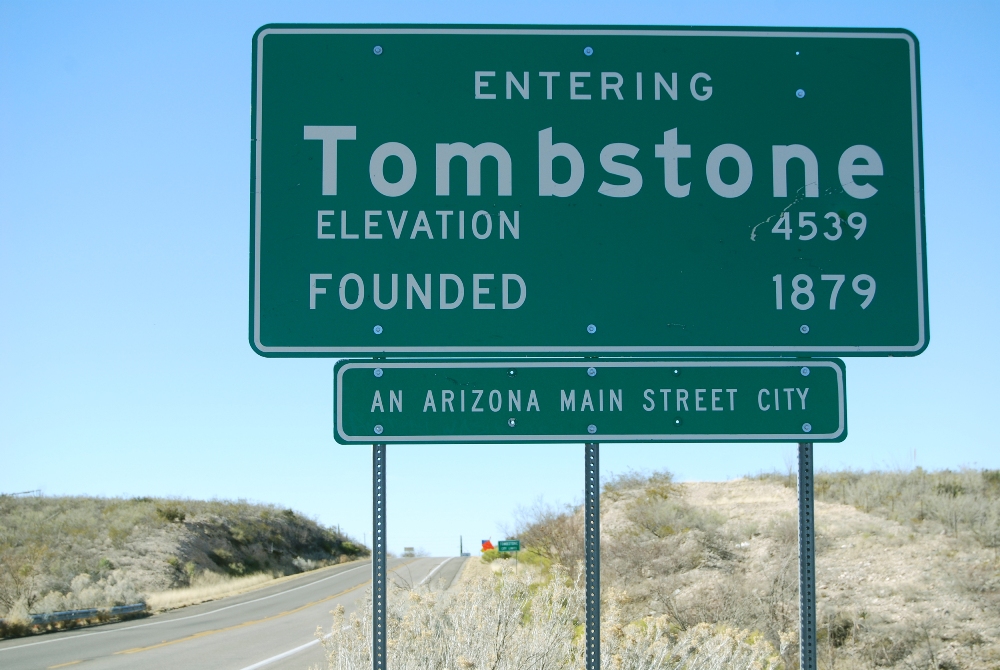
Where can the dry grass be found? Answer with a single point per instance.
(506, 621)
(59, 553)
(210, 586)
(473, 570)
(207, 587)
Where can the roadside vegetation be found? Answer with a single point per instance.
(704, 576)
(963, 504)
(63, 553)
(531, 619)
(908, 572)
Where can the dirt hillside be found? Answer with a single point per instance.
(907, 572)
(59, 553)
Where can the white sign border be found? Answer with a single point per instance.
(831, 350)
(586, 437)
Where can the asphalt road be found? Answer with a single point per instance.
(271, 628)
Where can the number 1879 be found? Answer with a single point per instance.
(803, 298)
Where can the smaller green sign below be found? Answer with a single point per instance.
(509, 545)
(589, 401)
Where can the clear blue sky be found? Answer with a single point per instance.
(124, 362)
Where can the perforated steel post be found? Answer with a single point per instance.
(807, 560)
(378, 557)
(592, 548)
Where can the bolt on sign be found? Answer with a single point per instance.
(631, 400)
(420, 190)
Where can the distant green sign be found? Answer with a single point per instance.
(580, 401)
(492, 190)
(509, 545)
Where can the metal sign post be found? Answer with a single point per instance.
(807, 560)
(417, 401)
(592, 547)
(379, 586)
(807, 556)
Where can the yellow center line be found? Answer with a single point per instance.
(63, 665)
(244, 624)
(240, 625)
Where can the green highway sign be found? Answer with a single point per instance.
(553, 190)
(589, 401)
(509, 545)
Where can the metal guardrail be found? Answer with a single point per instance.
(75, 615)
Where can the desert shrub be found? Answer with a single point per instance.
(171, 512)
(658, 484)
(150, 544)
(506, 622)
(986, 527)
(347, 547)
(552, 533)
(20, 575)
(85, 592)
(17, 622)
(784, 529)
(190, 571)
(991, 479)
(304, 564)
(491, 555)
(835, 629)
(668, 516)
(960, 502)
(654, 643)
(498, 622)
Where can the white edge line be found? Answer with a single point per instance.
(286, 654)
(193, 616)
(431, 573)
(302, 647)
(583, 438)
(918, 186)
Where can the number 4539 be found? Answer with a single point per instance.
(802, 290)
(857, 221)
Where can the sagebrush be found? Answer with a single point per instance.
(60, 553)
(508, 621)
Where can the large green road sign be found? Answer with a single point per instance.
(580, 401)
(555, 190)
(509, 545)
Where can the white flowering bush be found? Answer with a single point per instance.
(85, 593)
(508, 621)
